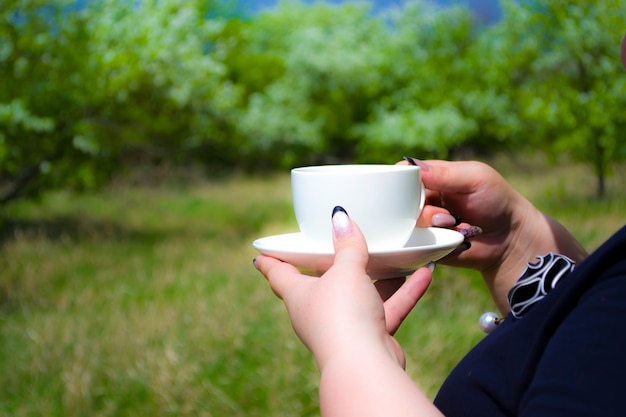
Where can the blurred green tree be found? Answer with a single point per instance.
(312, 73)
(428, 73)
(39, 89)
(567, 81)
(160, 88)
(81, 87)
(87, 90)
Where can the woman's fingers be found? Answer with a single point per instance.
(279, 274)
(430, 214)
(400, 304)
(350, 246)
(387, 287)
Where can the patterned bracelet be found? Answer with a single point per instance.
(538, 279)
(534, 284)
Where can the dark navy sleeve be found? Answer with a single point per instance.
(582, 371)
(565, 357)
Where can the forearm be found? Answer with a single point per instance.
(369, 382)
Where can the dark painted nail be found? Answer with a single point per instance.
(338, 208)
(457, 220)
(410, 160)
(342, 226)
(417, 162)
(254, 263)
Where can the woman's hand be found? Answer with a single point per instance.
(514, 232)
(343, 308)
(343, 320)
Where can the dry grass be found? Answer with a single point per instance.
(143, 301)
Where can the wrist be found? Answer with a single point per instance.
(366, 382)
(532, 234)
(525, 238)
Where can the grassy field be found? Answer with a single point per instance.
(142, 301)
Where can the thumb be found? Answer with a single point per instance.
(349, 242)
(453, 176)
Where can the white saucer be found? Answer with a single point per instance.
(424, 245)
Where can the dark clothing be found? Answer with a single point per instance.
(565, 357)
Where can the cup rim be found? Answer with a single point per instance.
(354, 168)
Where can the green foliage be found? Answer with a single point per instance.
(566, 79)
(86, 91)
(111, 79)
(156, 76)
(428, 132)
(37, 78)
(330, 60)
(427, 75)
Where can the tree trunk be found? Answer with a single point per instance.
(600, 168)
(601, 186)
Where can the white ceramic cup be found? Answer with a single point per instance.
(384, 200)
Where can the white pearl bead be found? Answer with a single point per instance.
(488, 322)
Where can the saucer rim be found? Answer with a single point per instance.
(455, 239)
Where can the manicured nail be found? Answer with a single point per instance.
(430, 265)
(443, 220)
(471, 231)
(457, 220)
(417, 163)
(255, 264)
(342, 226)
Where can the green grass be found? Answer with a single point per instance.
(142, 301)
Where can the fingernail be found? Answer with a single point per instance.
(443, 220)
(431, 266)
(417, 163)
(255, 264)
(342, 226)
(471, 231)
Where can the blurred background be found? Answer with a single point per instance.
(145, 144)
